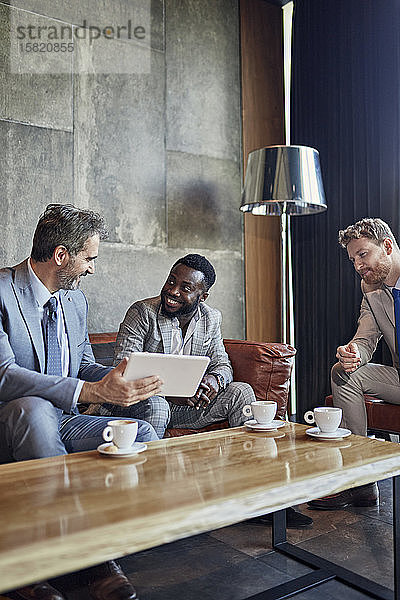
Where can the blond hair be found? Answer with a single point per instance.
(373, 229)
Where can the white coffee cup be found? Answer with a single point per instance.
(327, 418)
(263, 411)
(122, 432)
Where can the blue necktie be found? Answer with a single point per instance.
(396, 296)
(53, 350)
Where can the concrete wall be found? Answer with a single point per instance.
(145, 130)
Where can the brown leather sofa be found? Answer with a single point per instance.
(381, 416)
(265, 366)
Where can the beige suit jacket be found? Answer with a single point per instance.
(376, 320)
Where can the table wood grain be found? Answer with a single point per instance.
(65, 513)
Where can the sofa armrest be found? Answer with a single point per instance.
(266, 366)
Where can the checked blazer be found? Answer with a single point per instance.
(145, 329)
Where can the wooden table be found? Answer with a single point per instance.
(65, 513)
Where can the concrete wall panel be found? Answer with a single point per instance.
(119, 147)
(202, 57)
(29, 92)
(36, 169)
(203, 197)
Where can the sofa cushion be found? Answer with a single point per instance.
(265, 366)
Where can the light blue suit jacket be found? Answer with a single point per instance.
(22, 350)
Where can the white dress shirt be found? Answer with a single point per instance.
(180, 345)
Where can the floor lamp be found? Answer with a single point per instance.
(284, 181)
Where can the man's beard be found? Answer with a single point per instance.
(68, 279)
(183, 310)
(378, 274)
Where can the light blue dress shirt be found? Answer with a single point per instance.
(42, 296)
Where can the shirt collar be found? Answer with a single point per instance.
(194, 319)
(40, 291)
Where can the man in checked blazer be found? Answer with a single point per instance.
(179, 322)
(373, 250)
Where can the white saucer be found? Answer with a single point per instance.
(321, 435)
(263, 426)
(133, 450)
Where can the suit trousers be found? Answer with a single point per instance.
(227, 405)
(348, 391)
(155, 411)
(32, 427)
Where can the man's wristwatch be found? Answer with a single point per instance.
(220, 380)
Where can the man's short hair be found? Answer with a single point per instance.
(373, 229)
(65, 225)
(199, 263)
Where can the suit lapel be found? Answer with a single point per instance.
(29, 310)
(388, 305)
(165, 327)
(380, 299)
(199, 336)
(71, 328)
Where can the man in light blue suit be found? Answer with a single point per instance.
(47, 365)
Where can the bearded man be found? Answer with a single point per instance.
(47, 365)
(179, 322)
(373, 250)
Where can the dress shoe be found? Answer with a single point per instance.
(365, 495)
(108, 582)
(38, 591)
(294, 520)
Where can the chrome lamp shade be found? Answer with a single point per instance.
(283, 179)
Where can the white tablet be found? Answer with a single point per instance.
(180, 373)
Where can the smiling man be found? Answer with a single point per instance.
(47, 365)
(179, 322)
(375, 255)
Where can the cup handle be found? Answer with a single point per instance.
(247, 411)
(309, 417)
(108, 434)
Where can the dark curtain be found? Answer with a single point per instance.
(345, 103)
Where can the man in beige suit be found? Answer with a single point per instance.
(373, 250)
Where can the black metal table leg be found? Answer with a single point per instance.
(278, 527)
(324, 570)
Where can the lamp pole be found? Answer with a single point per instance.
(287, 301)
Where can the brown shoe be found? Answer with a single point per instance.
(38, 591)
(108, 582)
(365, 495)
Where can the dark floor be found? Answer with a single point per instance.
(236, 562)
